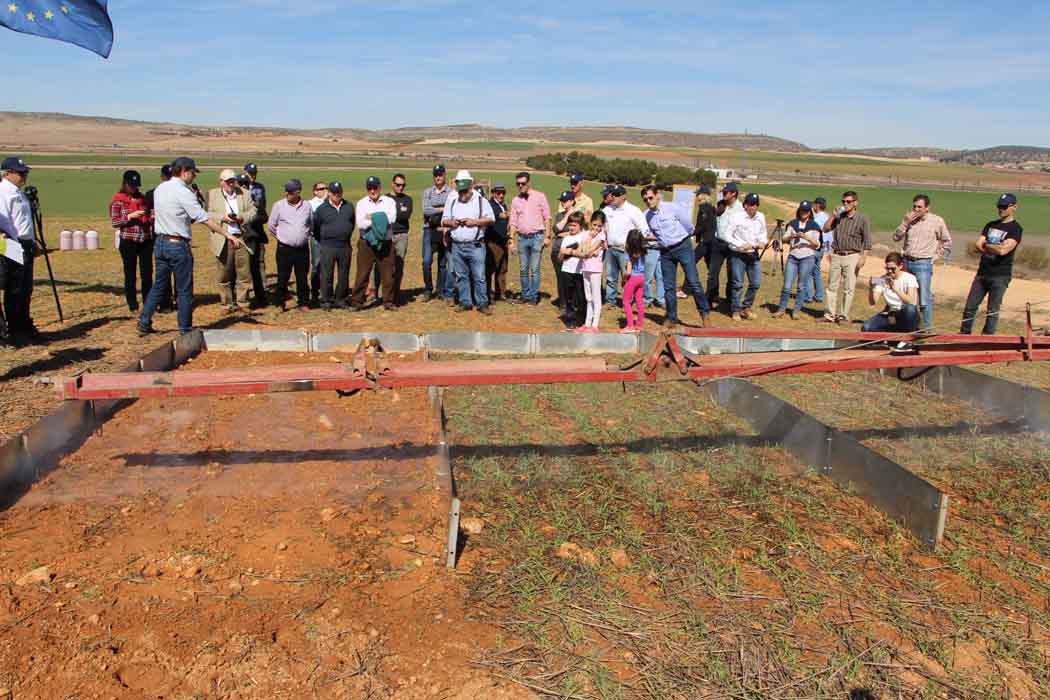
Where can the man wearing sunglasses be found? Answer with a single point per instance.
(900, 292)
(850, 249)
(926, 238)
(530, 233)
(399, 233)
(998, 243)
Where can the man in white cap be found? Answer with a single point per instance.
(233, 207)
(466, 215)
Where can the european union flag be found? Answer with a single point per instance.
(82, 22)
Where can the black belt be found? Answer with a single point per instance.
(170, 237)
(530, 235)
(846, 252)
(673, 245)
(914, 259)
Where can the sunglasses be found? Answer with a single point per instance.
(848, 201)
(320, 189)
(521, 184)
(399, 184)
(891, 268)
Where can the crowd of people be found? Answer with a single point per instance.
(607, 256)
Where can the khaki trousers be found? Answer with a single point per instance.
(235, 274)
(842, 275)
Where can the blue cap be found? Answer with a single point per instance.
(805, 205)
(566, 196)
(373, 181)
(251, 168)
(730, 187)
(165, 170)
(751, 198)
(293, 185)
(607, 190)
(618, 191)
(1005, 200)
(821, 201)
(335, 186)
(132, 177)
(15, 164)
(703, 189)
(439, 169)
(184, 163)
(575, 179)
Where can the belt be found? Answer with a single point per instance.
(664, 249)
(476, 243)
(170, 237)
(530, 235)
(914, 259)
(846, 252)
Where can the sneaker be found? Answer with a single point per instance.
(450, 302)
(485, 310)
(577, 329)
(792, 314)
(389, 307)
(461, 309)
(780, 312)
(827, 318)
(904, 348)
(515, 300)
(681, 295)
(593, 329)
(144, 329)
(842, 319)
(748, 314)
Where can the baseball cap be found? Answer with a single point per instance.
(439, 169)
(165, 170)
(703, 189)
(15, 164)
(1005, 200)
(335, 186)
(293, 185)
(751, 198)
(566, 196)
(499, 187)
(821, 201)
(184, 163)
(243, 180)
(607, 190)
(227, 174)
(133, 178)
(575, 179)
(251, 168)
(730, 187)
(804, 205)
(618, 190)
(373, 181)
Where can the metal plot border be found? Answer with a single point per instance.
(37, 450)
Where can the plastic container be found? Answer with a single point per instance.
(91, 238)
(65, 240)
(79, 242)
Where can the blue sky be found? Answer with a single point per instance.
(950, 74)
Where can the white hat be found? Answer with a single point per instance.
(227, 174)
(464, 175)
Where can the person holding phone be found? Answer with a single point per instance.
(852, 243)
(129, 215)
(233, 207)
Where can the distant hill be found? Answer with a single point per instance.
(45, 130)
(1024, 157)
(897, 152)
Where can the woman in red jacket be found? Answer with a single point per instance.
(127, 212)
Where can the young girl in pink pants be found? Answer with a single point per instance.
(634, 287)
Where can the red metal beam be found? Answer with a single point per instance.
(860, 336)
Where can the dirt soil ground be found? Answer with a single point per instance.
(270, 546)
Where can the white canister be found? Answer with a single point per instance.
(78, 240)
(91, 238)
(65, 240)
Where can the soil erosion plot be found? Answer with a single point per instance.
(281, 545)
(642, 543)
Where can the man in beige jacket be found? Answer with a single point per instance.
(232, 206)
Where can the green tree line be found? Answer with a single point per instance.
(625, 171)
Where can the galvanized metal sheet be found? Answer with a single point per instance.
(888, 486)
(762, 344)
(159, 360)
(585, 344)
(187, 346)
(704, 346)
(16, 469)
(443, 474)
(482, 343)
(57, 434)
(253, 339)
(348, 342)
(808, 344)
(1000, 396)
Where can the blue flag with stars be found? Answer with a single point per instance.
(82, 22)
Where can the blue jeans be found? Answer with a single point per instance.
(904, 321)
(653, 270)
(923, 271)
(615, 264)
(315, 269)
(681, 254)
(818, 278)
(469, 261)
(995, 289)
(432, 244)
(739, 265)
(171, 257)
(529, 259)
(800, 269)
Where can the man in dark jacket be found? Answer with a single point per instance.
(256, 235)
(496, 243)
(333, 224)
(398, 234)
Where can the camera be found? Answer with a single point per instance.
(243, 180)
(31, 193)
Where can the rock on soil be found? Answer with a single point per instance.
(38, 575)
(472, 526)
(574, 552)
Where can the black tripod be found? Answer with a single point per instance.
(776, 242)
(38, 225)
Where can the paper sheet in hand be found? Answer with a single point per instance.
(12, 250)
(684, 197)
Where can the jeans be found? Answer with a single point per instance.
(529, 259)
(923, 271)
(653, 270)
(739, 265)
(800, 269)
(137, 256)
(718, 255)
(432, 244)
(469, 260)
(904, 321)
(681, 254)
(818, 278)
(995, 289)
(615, 265)
(315, 269)
(171, 257)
